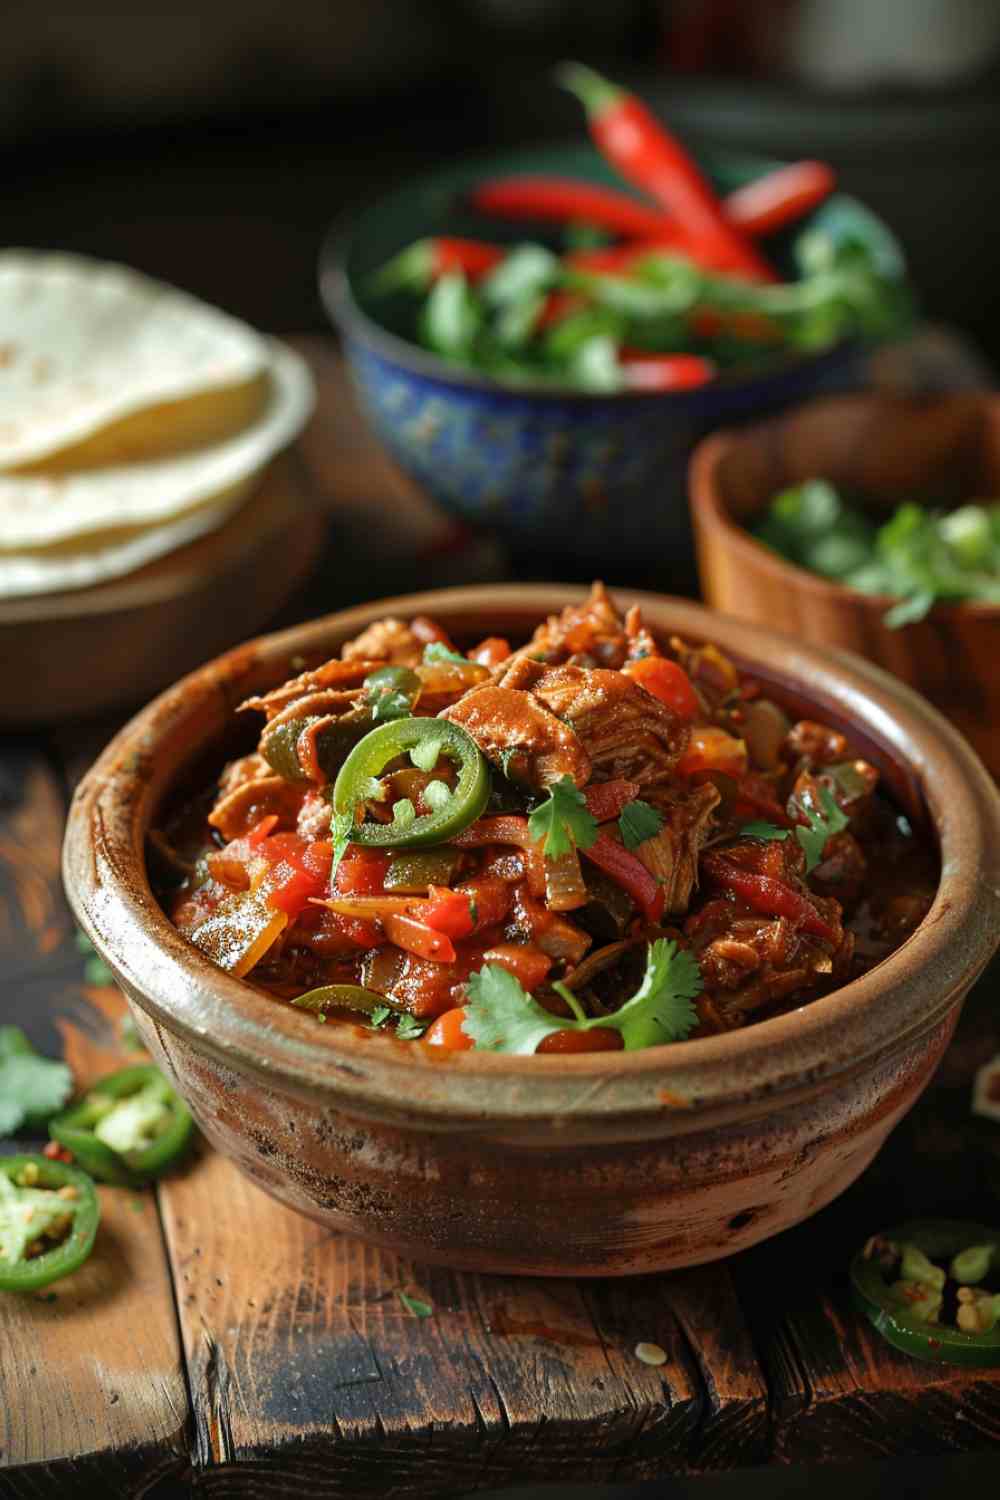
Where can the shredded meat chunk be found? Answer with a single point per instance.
(626, 732)
(592, 632)
(241, 809)
(520, 736)
(386, 641)
(672, 855)
(337, 675)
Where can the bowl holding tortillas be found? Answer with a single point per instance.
(143, 451)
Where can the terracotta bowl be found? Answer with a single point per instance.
(943, 450)
(608, 1163)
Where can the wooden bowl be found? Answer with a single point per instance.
(943, 450)
(87, 651)
(605, 1163)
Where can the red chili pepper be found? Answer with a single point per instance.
(421, 264)
(630, 873)
(608, 798)
(562, 200)
(635, 142)
(777, 198)
(665, 372)
(769, 896)
(447, 911)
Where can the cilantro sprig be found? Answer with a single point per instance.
(823, 822)
(562, 821)
(502, 1017)
(639, 822)
(438, 651)
(32, 1088)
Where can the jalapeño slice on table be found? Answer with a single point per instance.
(425, 741)
(127, 1128)
(900, 1279)
(48, 1218)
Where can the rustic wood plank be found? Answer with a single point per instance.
(306, 1367)
(92, 1395)
(840, 1392)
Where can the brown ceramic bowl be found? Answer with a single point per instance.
(607, 1163)
(942, 450)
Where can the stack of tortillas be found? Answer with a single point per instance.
(133, 419)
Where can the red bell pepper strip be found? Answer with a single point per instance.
(630, 873)
(421, 264)
(563, 200)
(634, 141)
(362, 872)
(416, 937)
(299, 870)
(779, 197)
(769, 896)
(607, 799)
(665, 372)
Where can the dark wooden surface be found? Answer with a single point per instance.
(216, 1344)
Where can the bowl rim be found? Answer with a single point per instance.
(347, 314)
(682, 1085)
(709, 509)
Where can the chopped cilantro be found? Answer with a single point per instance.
(32, 1088)
(562, 821)
(438, 651)
(409, 1028)
(505, 757)
(639, 822)
(813, 839)
(823, 824)
(341, 827)
(502, 1017)
(379, 1016)
(416, 1305)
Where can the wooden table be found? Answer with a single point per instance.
(216, 1344)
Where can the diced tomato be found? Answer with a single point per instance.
(528, 964)
(601, 1039)
(427, 631)
(712, 749)
(258, 834)
(609, 798)
(416, 937)
(666, 680)
(447, 1031)
(490, 652)
(447, 911)
(299, 870)
(362, 872)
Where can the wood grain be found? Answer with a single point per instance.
(306, 1366)
(839, 1391)
(92, 1391)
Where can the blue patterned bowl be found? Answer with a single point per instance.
(597, 478)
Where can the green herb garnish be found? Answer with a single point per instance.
(32, 1088)
(562, 821)
(639, 822)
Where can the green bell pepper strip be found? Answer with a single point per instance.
(345, 997)
(895, 1313)
(411, 874)
(31, 1210)
(392, 693)
(128, 1128)
(358, 777)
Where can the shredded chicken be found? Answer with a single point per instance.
(626, 732)
(672, 855)
(241, 809)
(336, 674)
(592, 630)
(386, 641)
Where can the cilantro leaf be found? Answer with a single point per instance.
(661, 1009)
(416, 1305)
(32, 1088)
(501, 1016)
(438, 651)
(822, 826)
(408, 1028)
(760, 829)
(563, 820)
(379, 1016)
(639, 822)
(505, 757)
(341, 827)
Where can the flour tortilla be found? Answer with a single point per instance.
(87, 347)
(45, 514)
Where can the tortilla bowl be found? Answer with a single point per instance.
(597, 1164)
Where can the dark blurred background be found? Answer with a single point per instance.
(212, 144)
